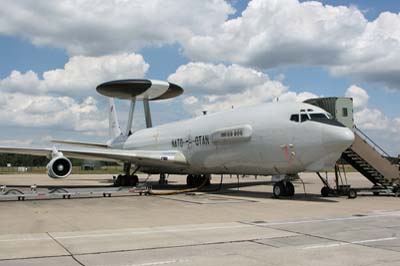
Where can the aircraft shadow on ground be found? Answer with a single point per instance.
(237, 189)
(230, 189)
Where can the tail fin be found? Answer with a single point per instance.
(115, 129)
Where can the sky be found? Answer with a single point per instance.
(223, 53)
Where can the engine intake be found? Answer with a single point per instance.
(59, 167)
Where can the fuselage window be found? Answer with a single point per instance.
(344, 112)
(294, 118)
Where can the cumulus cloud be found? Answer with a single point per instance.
(268, 33)
(292, 96)
(217, 78)
(47, 111)
(215, 87)
(371, 118)
(80, 75)
(102, 27)
(272, 33)
(359, 95)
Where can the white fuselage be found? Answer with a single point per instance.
(255, 140)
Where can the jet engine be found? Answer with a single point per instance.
(59, 167)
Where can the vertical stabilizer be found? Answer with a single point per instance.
(114, 127)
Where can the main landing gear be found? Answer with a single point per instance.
(198, 180)
(128, 179)
(283, 188)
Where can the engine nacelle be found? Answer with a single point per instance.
(59, 167)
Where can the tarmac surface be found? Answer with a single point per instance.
(239, 225)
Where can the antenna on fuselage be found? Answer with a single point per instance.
(139, 89)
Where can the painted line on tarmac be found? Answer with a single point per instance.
(33, 238)
(127, 233)
(155, 231)
(326, 220)
(158, 262)
(350, 243)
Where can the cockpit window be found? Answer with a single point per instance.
(294, 118)
(304, 117)
(325, 118)
(318, 116)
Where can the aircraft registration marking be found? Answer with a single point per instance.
(200, 140)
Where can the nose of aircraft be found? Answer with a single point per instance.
(337, 139)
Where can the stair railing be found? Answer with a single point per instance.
(372, 143)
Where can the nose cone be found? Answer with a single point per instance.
(337, 139)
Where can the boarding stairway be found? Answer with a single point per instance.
(372, 161)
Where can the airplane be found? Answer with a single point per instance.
(280, 139)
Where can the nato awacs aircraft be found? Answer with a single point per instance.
(279, 139)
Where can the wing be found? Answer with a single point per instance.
(139, 157)
(81, 143)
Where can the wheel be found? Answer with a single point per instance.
(352, 194)
(135, 180)
(325, 191)
(375, 193)
(290, 189)
(118, 181)
(190, 180)
(200, 179)
(124, 181)
(278, 190)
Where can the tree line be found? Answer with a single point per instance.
(28, 160)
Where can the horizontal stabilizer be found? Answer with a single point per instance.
(81, 143)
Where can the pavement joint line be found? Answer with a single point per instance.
(65, 248)
(35, 257)
(170, 247)
(73, 255)
(263, 244)
(243, 225)
(332, 239)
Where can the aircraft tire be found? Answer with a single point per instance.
(124, 181)
(117, 182)
(198, 180)
(290, 189)
(352, 194)
(135, 180)
(325, 191)
(190, 180)
(278, 190)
